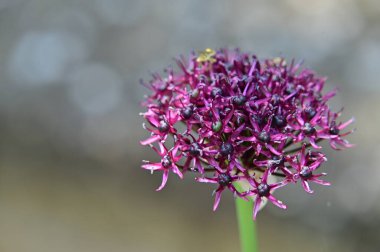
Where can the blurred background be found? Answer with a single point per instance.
(70, 176)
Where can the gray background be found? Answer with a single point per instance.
(69, 127)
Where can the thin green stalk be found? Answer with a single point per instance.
(247, 228)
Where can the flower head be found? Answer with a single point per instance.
(243, 120)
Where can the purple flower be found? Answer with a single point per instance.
(330, 130)
(168, 162)
(163, 125)
(264, 190)
(224, 179)
(232, 115)
(304, 165)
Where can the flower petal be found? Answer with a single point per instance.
(320, 181)
(276, 202)
(206, 180)
(165, 176)
(218, 195)
(344, 125)
(256, 206)
(152, 167)
(306, 187)
(150, 140)
(177, 171)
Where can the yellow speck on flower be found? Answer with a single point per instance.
(279, 60)
(206, 56)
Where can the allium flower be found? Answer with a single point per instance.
(167, 163)
(304, 164)
(242, 119)
(224, 179)
(264, 190)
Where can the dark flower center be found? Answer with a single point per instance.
(210, 114)
(226, 149)
(306, 173)
(276, 99)
(263, 190)
(239, 100)
(226, 111)
(279, 121)
(164, 126)
(187, 112)
(216, 126)
(334, 129)
(310, 112)
(162, 86)
(289, 88)
(195, 149)
(224, 179)
(216, 92)
(240, 120)
(258, 119)
(278, 160)
(264, 77)
(276, 78)
(166, 162)
(264, 136)
(309, 130)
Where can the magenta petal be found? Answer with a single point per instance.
(334, 146)
(150, 140)
(316, 117)
(329, 95)
(313, 143)
(152, 167)
(239, 166)
(273, 150)
(177, 171)
(253, 66)
(258, 149)
(300, 120)
(267, 126)
(199, 166)
(344, 143)
(187, 164)
(293, 164)
(218, 195)
(264, 178)
(249, 139)
(344, 125)
(256, 207)
(306, 187)
(165, 176)
(206, 180)
(253, 182)
(316, 164)
(277, 202)
(321, 182)
(278, 185)
(290, 95)
(237, 132)
(229, 116)
(325, 136)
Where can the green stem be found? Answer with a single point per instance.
(247, 228)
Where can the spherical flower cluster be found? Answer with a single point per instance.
(234, 119)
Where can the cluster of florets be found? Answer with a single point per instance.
(234, 119)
